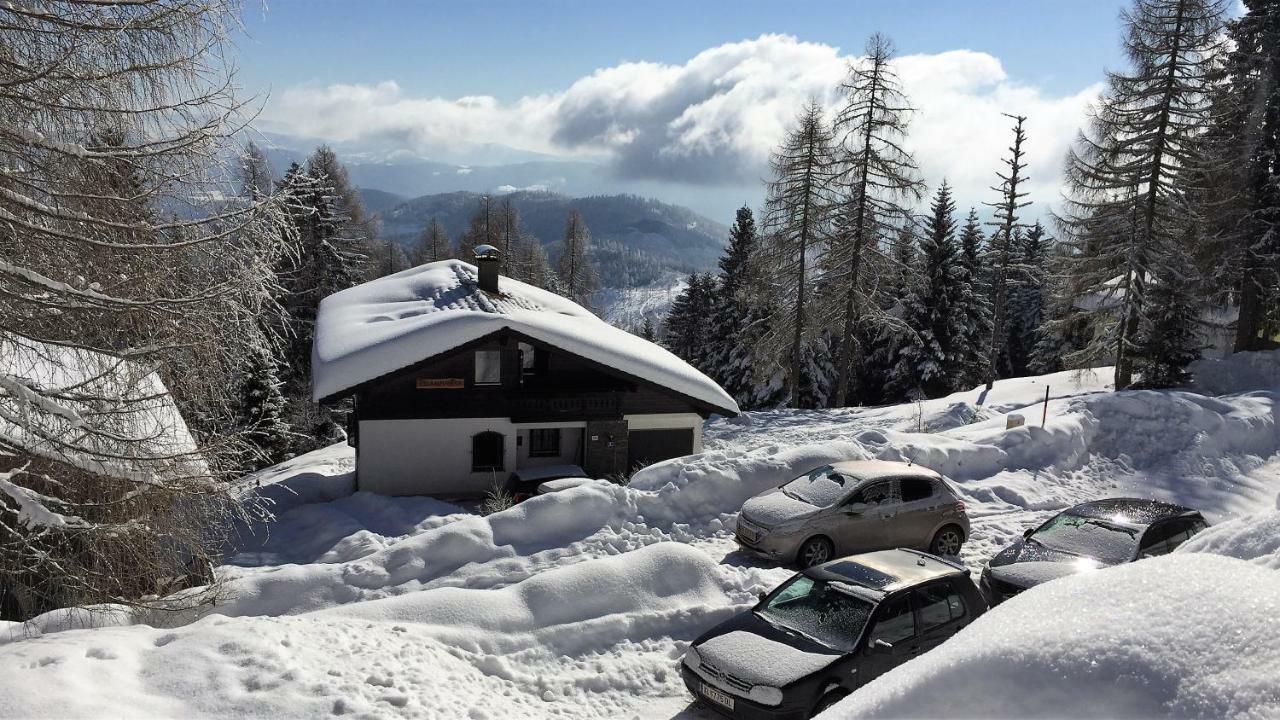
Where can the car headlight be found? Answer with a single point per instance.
(691, 658)
(765, 695)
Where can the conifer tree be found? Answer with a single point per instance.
(262, 407)
(739, 318)
(1002, 247)
(1244, 188)
(577, 273)
(433, 244)
(926, 360)
(646, 330)
(1026, 298)
(973, 306)
(796, 226)
(1127, 207)
(877, 176)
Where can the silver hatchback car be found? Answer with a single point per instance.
(854, 507)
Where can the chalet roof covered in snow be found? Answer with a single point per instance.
(92, 411)
(391, 323)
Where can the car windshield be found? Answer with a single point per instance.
(820, 610)
(822, 488)
(1108, 542)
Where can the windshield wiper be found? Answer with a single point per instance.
(789, 629)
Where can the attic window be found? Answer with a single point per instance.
(488, 367)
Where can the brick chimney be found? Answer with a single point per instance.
(487, 261)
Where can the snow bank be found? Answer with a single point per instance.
(1238, 372)
(390, 323)
(1183, 636)
(535, 648)
(1255, 538)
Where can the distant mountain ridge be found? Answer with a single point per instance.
(635, 240)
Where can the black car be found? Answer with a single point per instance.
(1085, 537)
(827, 631)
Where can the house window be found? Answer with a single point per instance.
(487, 451)
(488, 367)
(544, 442)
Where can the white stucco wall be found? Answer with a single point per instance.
(433, 457)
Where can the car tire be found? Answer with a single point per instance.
(947, 541)
(814, 551)
(831, 698)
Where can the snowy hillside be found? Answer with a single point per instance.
(629, 307)
(580, 603)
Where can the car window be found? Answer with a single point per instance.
(822, 487)
(916, 489)
(1166, 537)
(818, 609)
(939, 605)
(1106, 541)
(896, 623)
(880, 493)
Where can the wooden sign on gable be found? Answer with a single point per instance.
(441, 383)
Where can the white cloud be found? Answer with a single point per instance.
(714, 119)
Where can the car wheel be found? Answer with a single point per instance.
(827, 701)
(947, 541)
(814, 551)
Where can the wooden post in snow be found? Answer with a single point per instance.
(1045, 415)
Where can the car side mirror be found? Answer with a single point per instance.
(880, 647)
(762, 596)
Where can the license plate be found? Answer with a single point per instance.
(723, 699)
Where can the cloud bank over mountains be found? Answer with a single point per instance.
(713, 120)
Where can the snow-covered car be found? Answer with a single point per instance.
(527, 482)
(829, 630)
(1086, 537)
(851, 507)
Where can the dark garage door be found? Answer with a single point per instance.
(645, 447)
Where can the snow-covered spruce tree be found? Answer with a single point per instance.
(1242, 188)
(577, 272)
(876, 177)
(1166, 336)
(739, 318)
(511, 237)
(1026, 298)
(111, 116)
(1001, 251)
(433, 244)
(690, 323)
(1127, 176)
(646, 330)
(973, 306)
(926, 362)
(796, 227)
(536, 267)
(263, 408)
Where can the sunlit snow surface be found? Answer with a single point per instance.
(580, 603)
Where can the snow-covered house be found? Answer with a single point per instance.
(460, 377)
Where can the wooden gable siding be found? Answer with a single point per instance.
(566, 388)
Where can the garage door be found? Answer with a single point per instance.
(646, 447)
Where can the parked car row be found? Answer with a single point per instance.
(838, 624)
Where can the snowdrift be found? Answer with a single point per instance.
(1188, 635)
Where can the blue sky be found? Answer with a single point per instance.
(680, 100)
(508, 49)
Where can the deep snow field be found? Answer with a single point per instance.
(579, 604)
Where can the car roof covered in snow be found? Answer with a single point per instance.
(1130, 511)
(885, 571)
(385, 325)
(876, 469)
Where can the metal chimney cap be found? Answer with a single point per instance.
(486, 252)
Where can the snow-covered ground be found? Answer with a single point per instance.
(579, 603)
